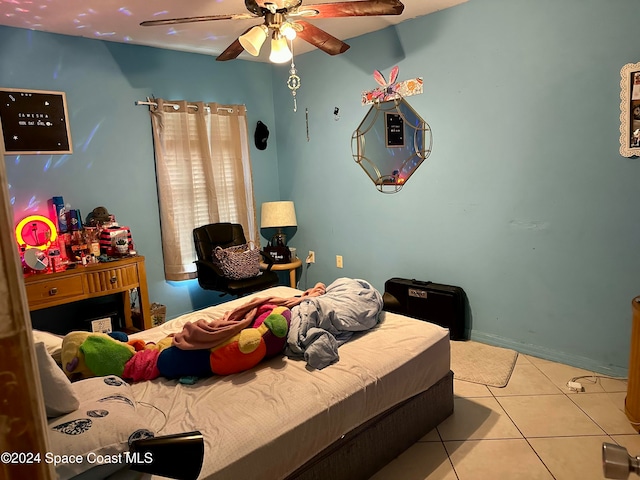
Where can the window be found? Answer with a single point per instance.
(203, 172)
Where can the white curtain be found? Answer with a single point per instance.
(203, 172)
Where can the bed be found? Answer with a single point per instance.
(282, 420)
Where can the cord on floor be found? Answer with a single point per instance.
(576, 386)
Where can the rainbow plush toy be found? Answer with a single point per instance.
(86, 354)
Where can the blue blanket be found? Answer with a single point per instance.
(319, 325)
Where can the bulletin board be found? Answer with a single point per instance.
(34, 122)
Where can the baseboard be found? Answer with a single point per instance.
(550, 354)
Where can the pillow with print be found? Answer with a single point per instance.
(104, 424)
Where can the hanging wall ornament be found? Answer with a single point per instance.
(293, 82)
(306, 118)
(392, 89)
(393, 139)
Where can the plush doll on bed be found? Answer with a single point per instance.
(86, 354)
(265, 338)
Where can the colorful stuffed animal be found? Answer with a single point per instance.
(87, 354)
(265, 338)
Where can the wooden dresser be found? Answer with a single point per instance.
(120, 276)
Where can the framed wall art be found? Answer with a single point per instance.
(630, 110)
(394, 129)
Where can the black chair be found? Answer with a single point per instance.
(206, 238)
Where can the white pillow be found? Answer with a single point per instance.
(52, 342)
(104, 424)
(59, 397)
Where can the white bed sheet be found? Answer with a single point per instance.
(267, 421)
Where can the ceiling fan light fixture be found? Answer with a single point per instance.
(280, 52)
(253, 40)
(275, 15)
(288, 31)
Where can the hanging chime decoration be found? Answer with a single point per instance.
(293, 81)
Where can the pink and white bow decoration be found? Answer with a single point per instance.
(391, 90)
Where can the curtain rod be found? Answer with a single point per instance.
(176, 106)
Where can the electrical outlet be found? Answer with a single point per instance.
(339, 261)
(311, 258)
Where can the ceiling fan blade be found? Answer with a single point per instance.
(233, 50)
(206, 18)
(362, 8)
(321, 39)
(252, 6)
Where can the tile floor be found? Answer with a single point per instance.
(534, 428)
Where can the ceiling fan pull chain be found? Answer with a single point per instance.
(294, 81)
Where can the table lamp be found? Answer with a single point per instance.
(278, 215)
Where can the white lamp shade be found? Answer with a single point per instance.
(280, 52)
(252, 40)
(278, 214)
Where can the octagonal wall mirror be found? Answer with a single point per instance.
(390, 143)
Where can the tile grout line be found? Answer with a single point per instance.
(606, 434)
(578, 393)
(522, 433)
(453, 467)
(497, 399)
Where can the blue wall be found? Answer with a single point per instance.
(113, 162)
(525, 201)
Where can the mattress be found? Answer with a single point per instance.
(267, 421)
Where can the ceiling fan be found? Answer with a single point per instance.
(286, 19)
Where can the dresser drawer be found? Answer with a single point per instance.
(53, 291)
(117, 278)
(112, 280)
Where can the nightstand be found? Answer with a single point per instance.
(291, 267)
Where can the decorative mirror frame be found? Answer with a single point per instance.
(399, 133)
(630, 110)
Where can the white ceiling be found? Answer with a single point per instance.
(119, 21)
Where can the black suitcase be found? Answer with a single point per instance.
(443, 305)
